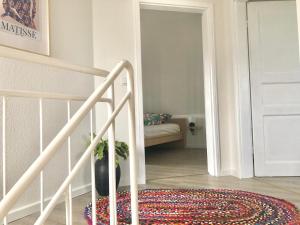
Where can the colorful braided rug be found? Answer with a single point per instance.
(176, 207)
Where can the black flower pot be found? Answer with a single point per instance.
(102, 177)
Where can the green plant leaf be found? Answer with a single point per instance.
(117, 161)
(121, 149)
(121, 155)
(100, 150)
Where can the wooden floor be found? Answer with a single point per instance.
(185, 168)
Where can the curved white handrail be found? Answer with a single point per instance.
(34, 170)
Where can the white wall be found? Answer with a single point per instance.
(226, 91)
(228, 96)
(115, 22)
(113, 41)
(172, 61)
(71, 40)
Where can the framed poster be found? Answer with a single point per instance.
(24, 24)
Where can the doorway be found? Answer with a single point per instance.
(173, 92)
(210, 84)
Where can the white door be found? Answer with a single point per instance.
(275, 87)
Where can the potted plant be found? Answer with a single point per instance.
(101, 164)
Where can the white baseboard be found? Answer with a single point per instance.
(35, 207)
(228, 172)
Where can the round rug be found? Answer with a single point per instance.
(200, 207)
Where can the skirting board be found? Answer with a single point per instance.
(228, 172)
(35, 207)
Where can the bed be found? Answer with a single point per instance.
(173, 131)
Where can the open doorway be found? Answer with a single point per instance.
(173, 90)
(209, 66)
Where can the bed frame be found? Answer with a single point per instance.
(176, 140)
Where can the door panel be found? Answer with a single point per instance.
(281, 94)
(275, 87)
(287, 148)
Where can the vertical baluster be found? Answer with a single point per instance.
(132, 151)
(94, 218)
(68, 196)
(41, 151)
(112, 160)
(4, 150)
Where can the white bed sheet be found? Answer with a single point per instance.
(161, 130)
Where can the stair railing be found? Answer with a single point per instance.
(36, 169)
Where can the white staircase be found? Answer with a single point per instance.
(10, 197)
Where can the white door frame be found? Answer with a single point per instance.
(242, 89)
(210, 77)
(298, 18)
